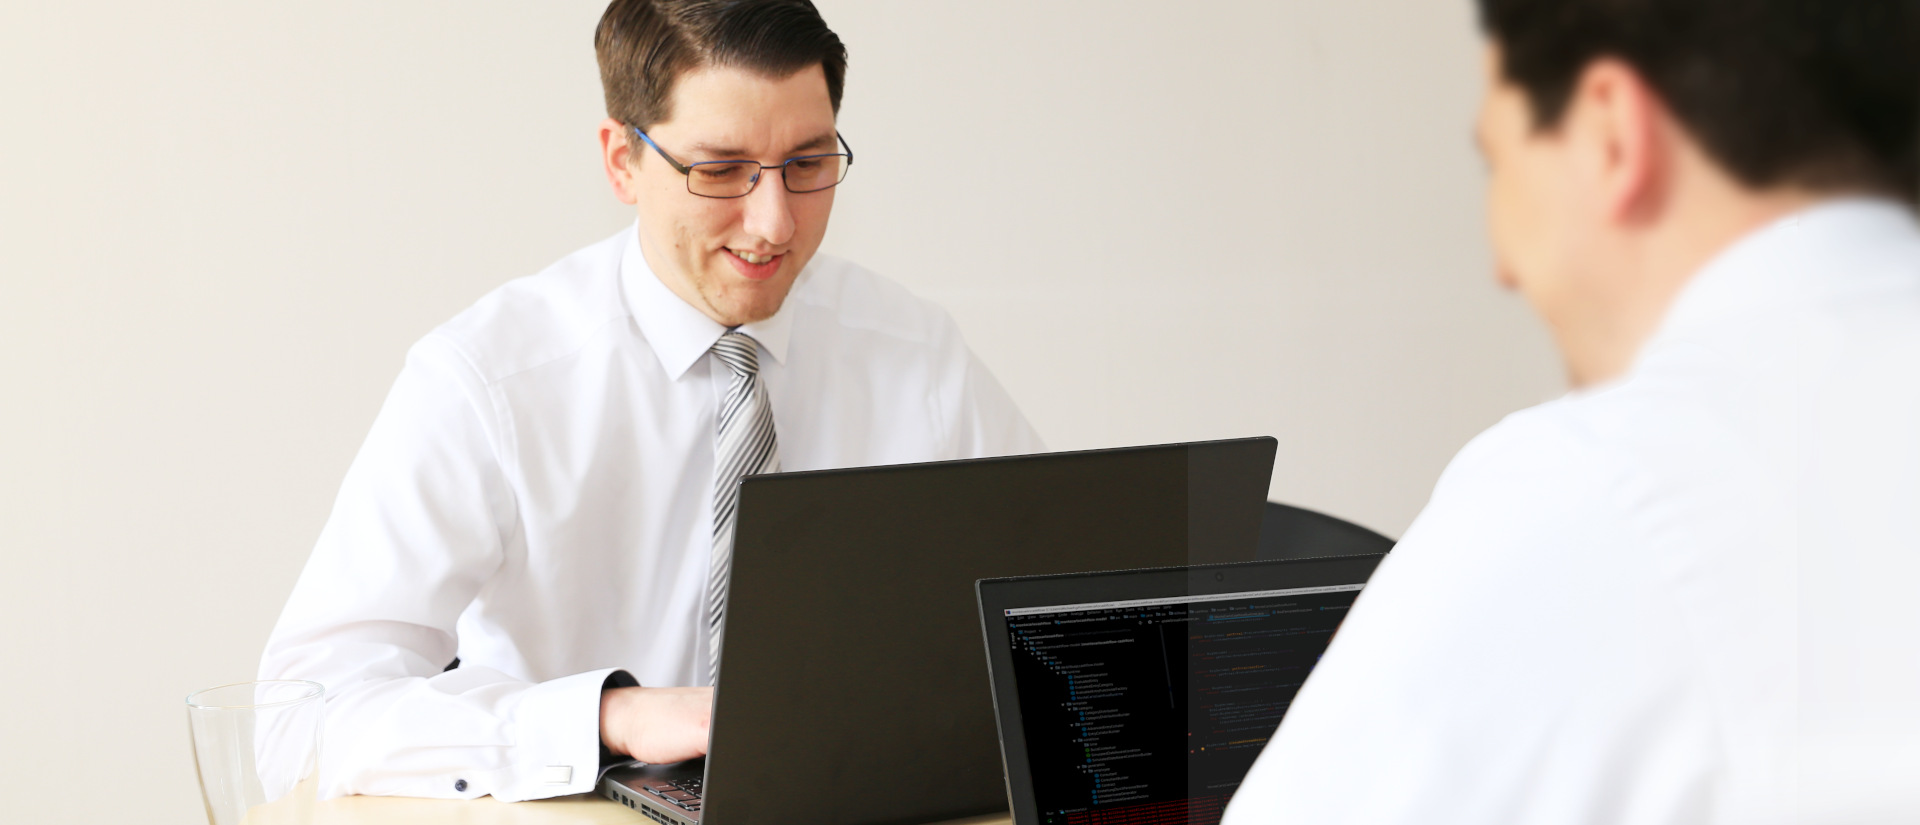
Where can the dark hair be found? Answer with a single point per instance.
(1817, 93)
(644, 46)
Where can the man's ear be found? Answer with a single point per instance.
(616, 157)
(1622, 128)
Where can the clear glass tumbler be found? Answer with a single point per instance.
(256, 746)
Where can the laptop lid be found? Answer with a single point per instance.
(1144, 696)
(852, 688)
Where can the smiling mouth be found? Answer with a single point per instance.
(753, 258)
(757, 266)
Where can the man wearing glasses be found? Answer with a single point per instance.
(547, 498)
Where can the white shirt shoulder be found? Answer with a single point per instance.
(537, 318)
(1482, 676)
(855, 297)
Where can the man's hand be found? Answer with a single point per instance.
(656, 725)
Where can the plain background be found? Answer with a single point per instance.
(222, 223)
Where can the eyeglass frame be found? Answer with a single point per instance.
(686, 169)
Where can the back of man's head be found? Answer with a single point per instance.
(1821, 95)
(644, 46)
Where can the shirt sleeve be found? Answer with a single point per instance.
(422, 521)
(1507, 663)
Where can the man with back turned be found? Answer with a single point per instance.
(1683, 592)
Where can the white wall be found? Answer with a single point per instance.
(222, 223)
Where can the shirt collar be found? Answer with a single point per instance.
(679, 333)
(1781, 264)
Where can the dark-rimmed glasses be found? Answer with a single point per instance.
(736, 178)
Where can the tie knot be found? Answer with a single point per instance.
(739, 352)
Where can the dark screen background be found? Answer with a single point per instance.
(1151, 715)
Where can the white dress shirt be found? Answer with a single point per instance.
(1683, 597)
(536, 497)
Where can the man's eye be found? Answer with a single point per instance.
(804, 165)
(720, 172)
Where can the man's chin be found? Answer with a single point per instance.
(746, 306)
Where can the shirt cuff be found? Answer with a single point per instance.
(557, 748)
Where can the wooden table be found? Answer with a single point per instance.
(580, 809)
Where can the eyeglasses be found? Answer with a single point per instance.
(735, 178)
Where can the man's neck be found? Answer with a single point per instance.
(1666, 255)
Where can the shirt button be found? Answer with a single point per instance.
(460, 785)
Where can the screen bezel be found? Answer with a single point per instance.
(996, 596)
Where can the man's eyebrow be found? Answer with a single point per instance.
(828, 141)
(717, 151)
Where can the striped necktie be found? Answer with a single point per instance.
(745, 446)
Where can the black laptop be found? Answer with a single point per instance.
(852, 690)
(1144, 696)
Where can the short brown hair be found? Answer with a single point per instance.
(1823, 94)
(644, 46)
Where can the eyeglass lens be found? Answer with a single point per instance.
(726, 179)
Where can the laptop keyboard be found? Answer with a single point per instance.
(684, 793)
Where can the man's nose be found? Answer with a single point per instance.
(766, 213)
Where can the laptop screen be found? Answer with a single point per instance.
(1150, 711)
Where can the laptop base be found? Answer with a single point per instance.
(629, 786)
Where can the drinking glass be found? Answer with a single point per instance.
(256, 746)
